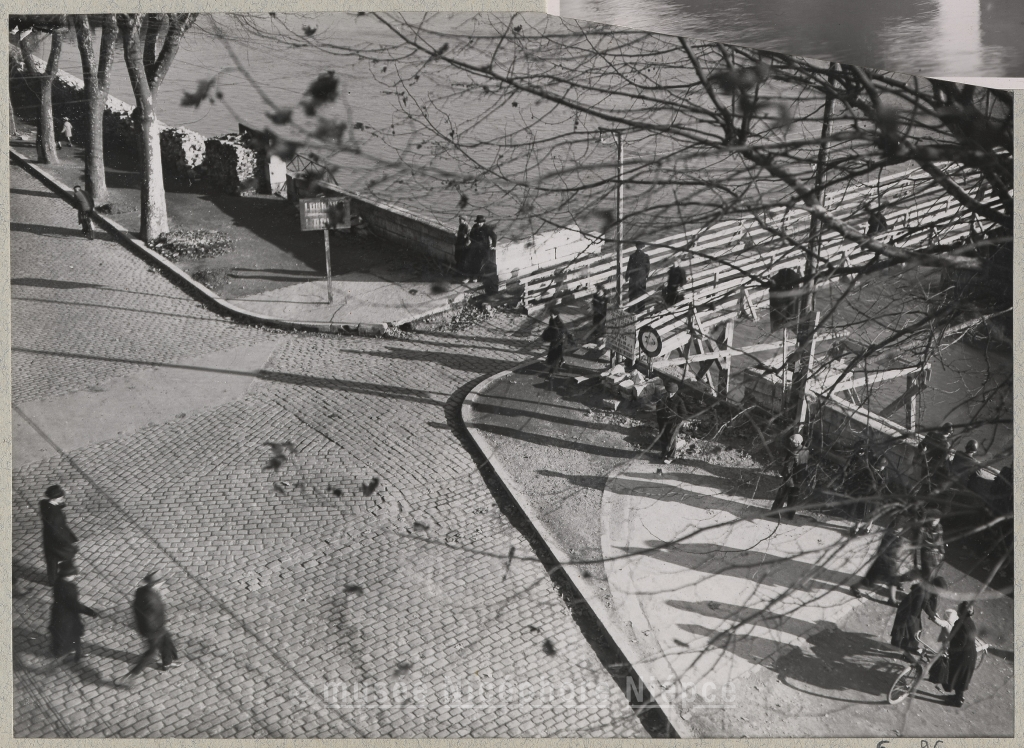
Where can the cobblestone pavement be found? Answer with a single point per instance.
(303, 604)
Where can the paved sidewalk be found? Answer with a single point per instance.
(740, 625)
(307, 599)
(274, 271)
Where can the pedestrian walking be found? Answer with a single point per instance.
(151, 623)
(462, 244)
(931, 545)
(638, 268)
(599, 306)
(963, 653)
(554, 335)
(86, 211)
(673, 291)
(66, 627)
(884, 568)
(482, 239)
(60, 544)
(65, 133)
(859, 482)
(794, 473)
(671, 414)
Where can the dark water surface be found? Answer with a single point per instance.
(965, 38)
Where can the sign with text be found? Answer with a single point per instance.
(620, 333)
(316, 213)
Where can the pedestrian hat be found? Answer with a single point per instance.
(671, 386)
(971, 446)
(479, 219)
(54, 492)
(947, 428)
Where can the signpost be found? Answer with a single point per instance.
(620, 331)
(326, 213)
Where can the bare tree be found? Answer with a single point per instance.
(96, 72)
(39, 27)
(148, 61)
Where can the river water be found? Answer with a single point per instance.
(965, 38)
(282, 74)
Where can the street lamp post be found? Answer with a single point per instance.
(616, 135)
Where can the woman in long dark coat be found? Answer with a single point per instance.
(963, 653)
(66, 627)
(907, 624)
(885, 568)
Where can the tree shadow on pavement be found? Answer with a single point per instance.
(755, 566)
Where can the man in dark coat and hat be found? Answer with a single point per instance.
(637, 270)
(85, 211)
(66, 627)
(151, 623)
(963, 653)
(462, 244)
(482, 239)
(59, 543)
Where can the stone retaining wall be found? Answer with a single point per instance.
(220, 164)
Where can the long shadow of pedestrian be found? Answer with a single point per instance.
(30, 574)
(839, 662)
(753, 565)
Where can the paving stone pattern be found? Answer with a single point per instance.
(296, 600)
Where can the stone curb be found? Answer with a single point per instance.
(571, 569)
(205, 295)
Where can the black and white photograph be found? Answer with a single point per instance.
(511, 375)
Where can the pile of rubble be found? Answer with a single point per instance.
(630, 389)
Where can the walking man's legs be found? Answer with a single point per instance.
(168, 653)
(148, 656)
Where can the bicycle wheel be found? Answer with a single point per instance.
(905, 682)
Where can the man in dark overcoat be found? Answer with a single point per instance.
(674, 284)
(66, 627)
(151, 623)
(462, 244)
(482, 239)
(638, 268)
(59, 543)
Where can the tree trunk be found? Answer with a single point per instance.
(153, 220)
(806, 324)
(95, 173)
(46, 143)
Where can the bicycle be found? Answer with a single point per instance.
(911, 676)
